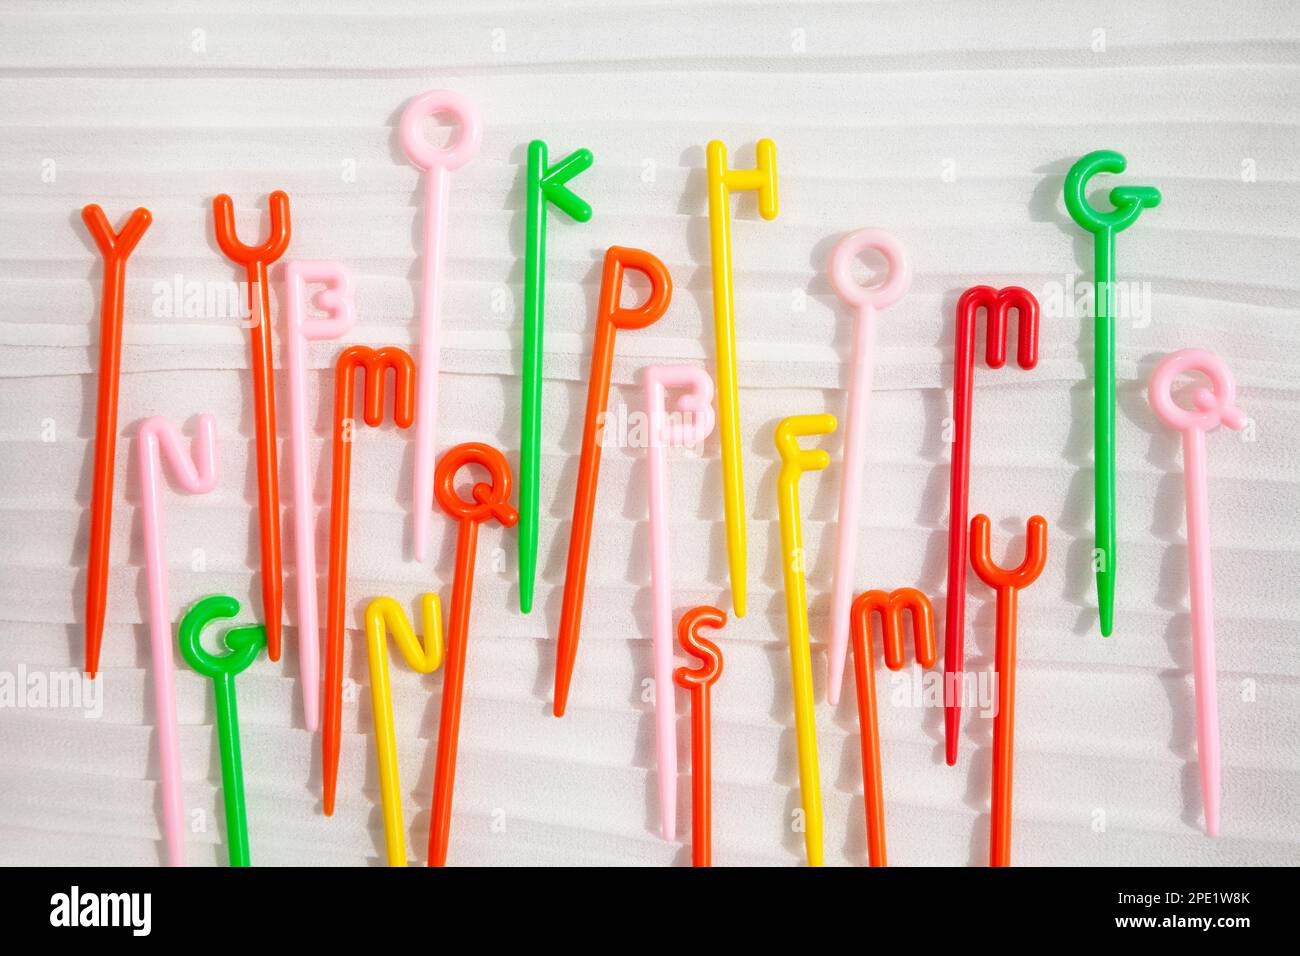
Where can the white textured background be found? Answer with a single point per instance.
(882, 99)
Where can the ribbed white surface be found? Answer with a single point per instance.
(949, 124)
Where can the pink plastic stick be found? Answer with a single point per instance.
(1211, 407)
(866, 301)
(158, 439)
(438, 162)
(691, 428)
(336, 301)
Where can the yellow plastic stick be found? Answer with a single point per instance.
(794, 462)
(722, 182)
(423, 660)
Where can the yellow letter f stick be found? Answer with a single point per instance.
(722, 182)
(794, 462)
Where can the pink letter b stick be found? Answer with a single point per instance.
(695, 424)
(336, 301)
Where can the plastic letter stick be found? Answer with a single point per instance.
(256, 260)
(890, 607)
(1007, 583)
(866, 302)
(336, 300)
(1129, 201)
(438, 163)
(696, 424)
(698, 681)
(374, 365)
(997, 304)
(1211, 407)
(546, 185)
(491, 499)
(610, 317)
(116, 248)
(244, 644)
(721, 183)
(423, 660)
(794, 462)
(158, 439)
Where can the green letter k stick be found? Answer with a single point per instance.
(546, 184)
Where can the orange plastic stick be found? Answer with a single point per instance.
(610, 317)
(373, 365)
(255, 260)
(116, 249)
(890, 607)
(698, 682)
(491, 500)
(1007, 583)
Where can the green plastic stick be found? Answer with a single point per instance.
(546, 184)
(1129, 202)
(244, 643)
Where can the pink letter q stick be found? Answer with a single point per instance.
(1212, 406)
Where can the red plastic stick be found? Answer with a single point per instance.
(1007, 583)
(491, 500)
(698, 682)
(255, 260)
(997, 304)
(890, 607)
(116, 249)
(374, 366)
(610, 317)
